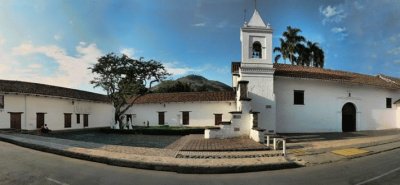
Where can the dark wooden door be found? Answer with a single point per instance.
(161, 118)
(255, 120)
(85, 120)
(349, 118)
(15, 120)
(39, 120)
(218, 119)
(67, 120)
(185, 118)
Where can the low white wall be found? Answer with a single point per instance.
(323, 102)
(201, 113)
(257, 135)
(100, 114)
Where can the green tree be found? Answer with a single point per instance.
(289, 43)
(294, 47)
(125, 79)
(317, 54)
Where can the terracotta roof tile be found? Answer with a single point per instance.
(287, 70)
(186, 97)
(8, 86)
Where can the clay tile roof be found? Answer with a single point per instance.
(186, 97)
(8, 86)
(287, 70)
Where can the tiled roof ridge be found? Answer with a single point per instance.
(34, 88)
(204, 96)
(336, 75)
(324, 69)
(51, 86)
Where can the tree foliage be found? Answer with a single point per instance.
(294, 47)
(125, 79)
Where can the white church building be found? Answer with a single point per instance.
(267, 98)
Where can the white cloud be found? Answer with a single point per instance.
(130, 52)
(201, 24)
(394, 51)
(397, 62)
(332, 13)
(222, 24)
(71, 71)
(338, 29)
(176, 70)
(2, 40)
(57, 37)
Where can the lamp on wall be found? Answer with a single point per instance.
(73, 102)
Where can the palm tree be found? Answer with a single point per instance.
(304, 55)
(289, 42)
(317, 54)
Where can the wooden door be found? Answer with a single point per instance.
(67, 120)
(349, 118)
(161, 118)
(218, 119)
(85, 120)
(185, 118)
(39, 120)
(15, 120)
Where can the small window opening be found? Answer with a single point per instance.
(257, 51)
(298, 97)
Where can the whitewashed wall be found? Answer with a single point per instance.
(201, 113)
(398, 115)
(323, 102)
(100, 114)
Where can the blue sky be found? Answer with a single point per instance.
(54, 41)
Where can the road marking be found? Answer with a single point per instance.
(56, 181)
(349, 152)
(379, 176)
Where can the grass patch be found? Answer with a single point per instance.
(159, 130)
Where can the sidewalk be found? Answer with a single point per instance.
(154, 158)
(300, 152)
(322, 151)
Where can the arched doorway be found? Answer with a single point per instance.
(349, 117)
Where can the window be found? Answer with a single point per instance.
(67, 120)
(298, 97)
(257, 50)
(1, 101)
(388, 103)
(78, 118)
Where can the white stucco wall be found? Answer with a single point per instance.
(201, 113)
(323, 102)
(100, 114)
(398, 115)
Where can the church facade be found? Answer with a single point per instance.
(281, 98)
(267, 98)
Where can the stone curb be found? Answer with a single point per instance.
(187, 169)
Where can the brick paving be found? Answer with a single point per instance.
(198, 143)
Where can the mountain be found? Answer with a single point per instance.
(191, 83)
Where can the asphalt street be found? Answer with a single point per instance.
(25, 166)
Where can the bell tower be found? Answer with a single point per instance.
(256, 39)
(256, 74)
